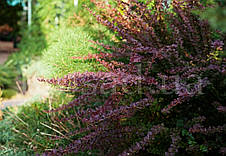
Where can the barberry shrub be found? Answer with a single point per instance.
(162, 92)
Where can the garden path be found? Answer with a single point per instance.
(6, 48)
(35, 88)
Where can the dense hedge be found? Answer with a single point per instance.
(163, 93)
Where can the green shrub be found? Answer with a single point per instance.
(8, 76)
(46, 37)
(65, 44)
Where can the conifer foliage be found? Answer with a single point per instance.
(163, 89)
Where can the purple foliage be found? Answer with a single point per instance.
(167, 53)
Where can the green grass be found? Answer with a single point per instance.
(7, 147)
(23, 128)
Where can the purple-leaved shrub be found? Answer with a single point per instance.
(163, 89)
